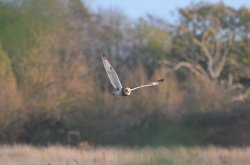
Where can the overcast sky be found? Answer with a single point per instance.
(163, 8)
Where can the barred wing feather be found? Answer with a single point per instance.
(113, 77)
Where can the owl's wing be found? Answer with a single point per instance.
(113, 77)
(153, 83)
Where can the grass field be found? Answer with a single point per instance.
(59, 155)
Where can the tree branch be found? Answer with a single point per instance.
(195, 69)
(209, 57)
(217, 51)
(241, 97)
(221, 64)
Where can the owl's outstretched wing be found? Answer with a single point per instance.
(113, 77)
(153, 83)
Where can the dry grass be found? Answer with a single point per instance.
(58, 155)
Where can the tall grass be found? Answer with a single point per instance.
(59, 155)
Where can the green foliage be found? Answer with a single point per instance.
(220, 29)
(22, 24)
(152, 43)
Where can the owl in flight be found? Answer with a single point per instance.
(113, 77)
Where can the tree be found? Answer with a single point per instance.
(204, 42)
(151, 42)
(44, 45)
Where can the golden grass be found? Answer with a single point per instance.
(59, 155)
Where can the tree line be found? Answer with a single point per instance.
(54, 89)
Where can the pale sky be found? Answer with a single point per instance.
(163, 8)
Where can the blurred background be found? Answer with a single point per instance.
(54, 89)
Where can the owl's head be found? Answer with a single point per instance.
(127, 91)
